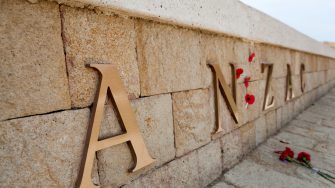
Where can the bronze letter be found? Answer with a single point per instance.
(221, 85)
(302, 77)
(269, 101)
(111, 82)
(289, 85)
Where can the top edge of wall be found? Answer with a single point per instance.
(230, 17)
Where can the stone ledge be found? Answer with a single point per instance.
(239, 20)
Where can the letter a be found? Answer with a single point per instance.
(111, 82)
(220, 84)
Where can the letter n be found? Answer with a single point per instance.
(220, 84)
(111, 82)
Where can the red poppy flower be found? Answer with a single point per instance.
(304, 156)
(250, 99)
(285, 154)
(251, 57)
(239, 71)
(246, 81)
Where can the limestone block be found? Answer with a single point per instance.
(210, 163)
(279, 91)
(44, 150)
(222, 184)
(279, 121)
(309, 62)
(248, 135)
(91, 38)
(196, 169)
(170, 59)
(242, 50)
(154, 117)
(217, 50)
(321, 77)
(32, 69)
(182, 172)
(271, 122)
(296, 82)
(297, 106)
(321, 63)
(231, 144)
(251, 112)
(309, 81)
(193, 117)
(261, 129)
(278, 57)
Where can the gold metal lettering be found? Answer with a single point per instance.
(111, 82)
(302, 77)
(269, 101)
(220, 84)
(289, 85)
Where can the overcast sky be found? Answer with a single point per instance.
(315, 18)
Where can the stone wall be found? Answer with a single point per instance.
(47, 93)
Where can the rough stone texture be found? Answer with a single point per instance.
(154, 117)
(193, 119)
(246, 112)
(248, 135)
(32, 68)
(210, 163)
(196, 169)
(271, 122)
(279, 120)
(310, 132)
(42, 151)
(182, 172)
(222, 185)
(170, 59)
(269, 177)
(261, 130)
(231, 149)
(91, 38)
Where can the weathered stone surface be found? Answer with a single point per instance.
(231, 149)
(248, 135)
(32, 68)
(271, 122)
(196, 169)
(222, 185)
(91, 38)
(170, 59)
(296, 140)
(250, 112)
(193, 119)
(182, 172)
(261, 129)
(248, 174)
(43, 151)
(256, 88)
(154, 117)
(210, 163)
(279, 91)
(279, 57)
(310, 132)
(279, 120)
